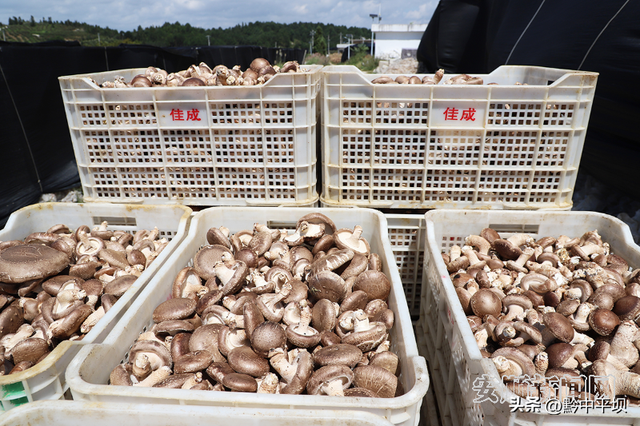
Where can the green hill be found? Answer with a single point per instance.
(268, 34)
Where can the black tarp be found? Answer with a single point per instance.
(35, 145)
(477, 36)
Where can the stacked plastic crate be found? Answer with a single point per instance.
(511, 143)
(250, 147)
(146, 153)
(197, 146)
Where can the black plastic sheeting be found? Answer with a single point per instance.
(35, 145)
(477, 36)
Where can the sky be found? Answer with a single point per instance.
(125, 15)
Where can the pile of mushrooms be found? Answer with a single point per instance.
(56, 285)
(556, 307)
(259, 72)
(427, 79)
(269, 311)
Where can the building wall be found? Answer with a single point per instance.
(391, 39)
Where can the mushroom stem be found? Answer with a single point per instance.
(279, 361)
(333, 388)
(360, 321)
(269, 384)
(92, 320)
(622, 346)
(155, 377)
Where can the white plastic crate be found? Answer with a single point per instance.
(88, 373)
(46, 379)
(239, 145)
(445, 338)
(82, 413)
(503, 146)
(406, 235)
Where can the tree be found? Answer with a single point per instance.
(319, 41)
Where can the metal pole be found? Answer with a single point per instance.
(209, 40)
(373, 18)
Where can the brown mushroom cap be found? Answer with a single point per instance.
(53, 284)
(319, 218)
(340, 354)
(180, 345)
(559, 353)
(304, 370)
(603, 321)
(216, 236)
(486, 302)
(323, 315)
(240, 382)
(327, 285)
(70, 324)
(627, 307)
(563, 376)
(368, 339)
(31, 349)
(248, 256)
(120, 285)
(175, 381)
(114, 258)
(11, 318)
(317, 384)
(517, 300)
(356, 266)
(387, 360)
(266, 336)
(205, 337)
(186, 277)
(376, 379)
(567, 306)
(244, 360)
(173, 327)
(357, 299)
(360, 393)
(192, 362)
(506, 249)
(206, 258)
(121, 375)
(180, 308)
(524, 363)
(237, 280)
(151, 347)
(559, 326)
(27, 262)
(261, 242)
(374, 283)
(258, 64)
(302, 337)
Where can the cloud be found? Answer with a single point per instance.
(126, 15)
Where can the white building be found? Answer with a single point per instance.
(391, 40)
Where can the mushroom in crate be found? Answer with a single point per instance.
(557, 310)
(300, 311)
(57, 284)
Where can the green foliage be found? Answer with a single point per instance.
(317, 59)
(361, 58)
(48, 30)
(319, 42)
(267, 34)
